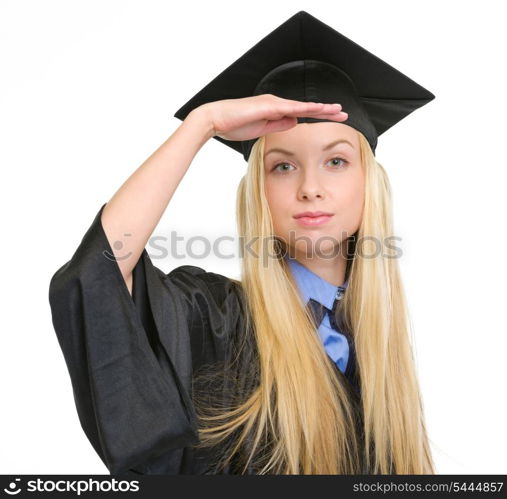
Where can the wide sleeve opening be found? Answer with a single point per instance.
(129, 357)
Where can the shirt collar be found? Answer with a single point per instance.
(313, 286)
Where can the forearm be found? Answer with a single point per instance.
(138, 205)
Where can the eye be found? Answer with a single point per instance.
(338, 165)
(344, 162)
(281, 164)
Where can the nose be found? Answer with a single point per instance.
(310, 186)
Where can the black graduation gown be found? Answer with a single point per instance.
(132, 359)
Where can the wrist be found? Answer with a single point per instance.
(200, 118)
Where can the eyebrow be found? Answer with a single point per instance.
(329, 146)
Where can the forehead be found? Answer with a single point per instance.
(307, 136)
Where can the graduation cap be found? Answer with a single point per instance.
(306, 60)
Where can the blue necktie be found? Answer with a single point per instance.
(317, 311)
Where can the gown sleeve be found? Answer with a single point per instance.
(131, 358)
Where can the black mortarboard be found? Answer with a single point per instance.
(306, 60)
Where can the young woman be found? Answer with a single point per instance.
(304, 366)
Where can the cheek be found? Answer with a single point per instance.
(276, 197)
(277, 201)
(354, 202)
(350, 201)
(354, 194)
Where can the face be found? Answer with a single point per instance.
(310, 168)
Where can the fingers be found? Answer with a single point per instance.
(311, 109)
(279, 125)
(335, 117)
(290, 106)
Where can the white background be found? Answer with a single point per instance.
(89, 90)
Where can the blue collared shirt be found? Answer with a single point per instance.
(313, 286)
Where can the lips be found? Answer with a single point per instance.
(312, 219)
(313, 214)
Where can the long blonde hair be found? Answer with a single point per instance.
(300, 418)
